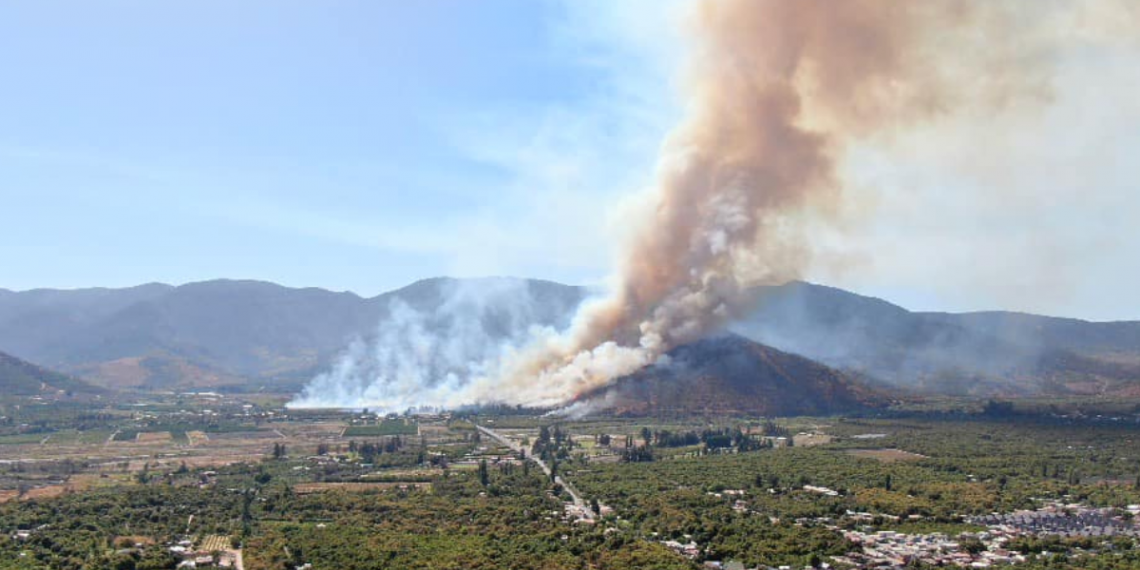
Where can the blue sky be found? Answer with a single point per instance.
(351, 145)
(360, 145)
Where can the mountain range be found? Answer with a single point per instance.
(227, 334)
(251, 335)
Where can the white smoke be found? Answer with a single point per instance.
(432, 354)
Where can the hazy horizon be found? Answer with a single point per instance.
(369, 295)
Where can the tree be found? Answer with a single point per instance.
(484, 476)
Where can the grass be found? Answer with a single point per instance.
(61, 437)
(23, 438)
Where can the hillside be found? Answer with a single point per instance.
(729, 374)
(1119, 339)
(22, 378)
(969, 354)
(251, 335)
(224, 334)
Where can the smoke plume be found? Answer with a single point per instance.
(776, 91)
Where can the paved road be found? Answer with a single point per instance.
(584, 508)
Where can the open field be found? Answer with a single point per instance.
(161, 439)
(74, 484)
(252, 435)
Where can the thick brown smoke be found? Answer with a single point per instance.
(776, 89)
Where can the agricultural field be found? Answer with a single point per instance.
(523, 491)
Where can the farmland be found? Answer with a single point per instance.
(383, 427)
(339, 489)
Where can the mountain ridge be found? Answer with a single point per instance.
(945, 352)
(247, 334)
(217, 333)
(225, 280)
